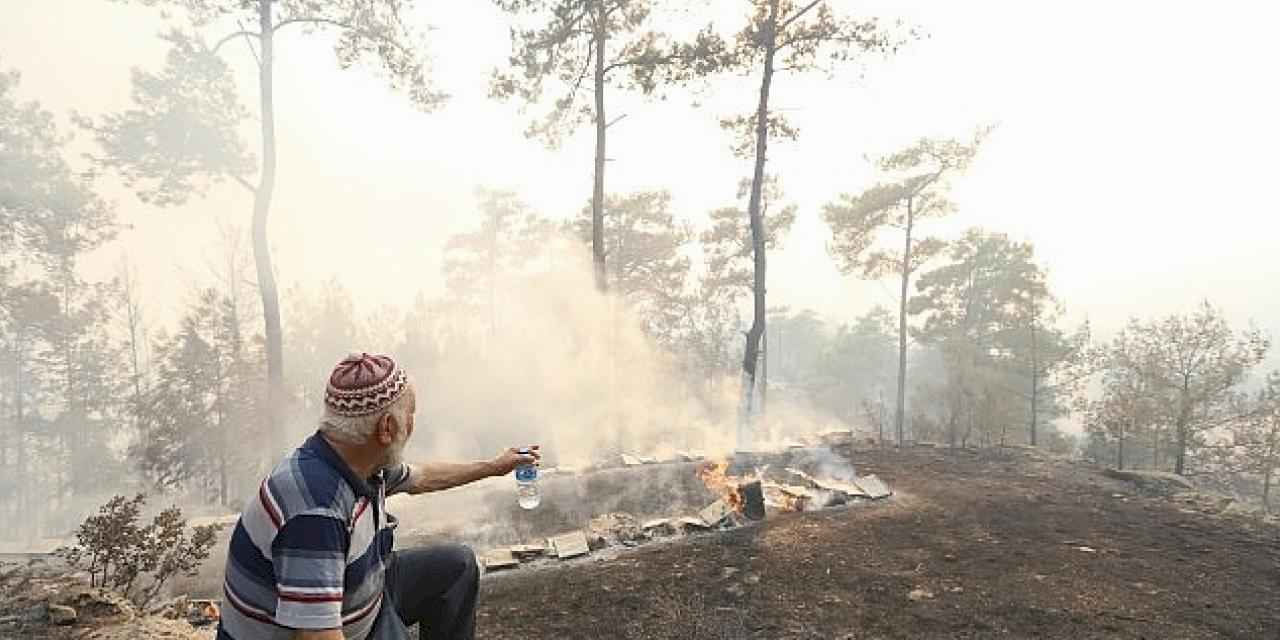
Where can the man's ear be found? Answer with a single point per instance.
(386, 430)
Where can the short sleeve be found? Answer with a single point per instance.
(397, 478)
(310, 559)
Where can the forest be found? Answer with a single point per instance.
(631, 322)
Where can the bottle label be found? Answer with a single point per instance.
(526, 473)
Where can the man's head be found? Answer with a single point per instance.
(369, 402)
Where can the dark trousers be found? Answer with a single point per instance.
(436, 588)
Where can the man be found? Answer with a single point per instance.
(311, 556)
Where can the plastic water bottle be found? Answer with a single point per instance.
(527, 493)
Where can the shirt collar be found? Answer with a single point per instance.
(367, 487)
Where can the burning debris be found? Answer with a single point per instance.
(715, 513)
(744, 490)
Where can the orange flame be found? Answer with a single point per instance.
(719, 482)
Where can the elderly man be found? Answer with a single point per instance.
(311, 556)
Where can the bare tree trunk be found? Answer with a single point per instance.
(899, 416)
(597, 187)
(1269, 464)
(764, 374)
(1184, 418)
(20, 428)
(1155, 446)
(1120, 449)
(1035, 376)
(880, 416)
(261, 249)
(751, 352)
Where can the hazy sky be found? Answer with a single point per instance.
(1134, 147)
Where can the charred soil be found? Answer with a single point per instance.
(1005, 543)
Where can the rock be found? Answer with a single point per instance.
(38, 613)
(173, 609)
(614, 528)
(735, 590)
(918, 594)
(98, 603)
(61, 614)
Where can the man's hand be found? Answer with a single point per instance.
(508, 460)
(426, 477)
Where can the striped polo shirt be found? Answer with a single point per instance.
(309, 549)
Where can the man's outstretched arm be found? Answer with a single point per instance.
(425, 477)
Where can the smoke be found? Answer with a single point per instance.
(560, 365)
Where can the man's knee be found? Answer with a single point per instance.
(462, 562)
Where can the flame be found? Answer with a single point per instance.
(719, 482)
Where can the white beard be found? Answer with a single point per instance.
(395, 452)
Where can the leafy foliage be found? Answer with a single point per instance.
(117, 549)
(787, 36)
(557, 42)
(183, 134)
(727, 244)
(47, 210)
(647, 264)
(859, 221)
(373, 33)
(1177, 380)
(206, 397)
(510, 233)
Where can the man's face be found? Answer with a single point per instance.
(402, 428)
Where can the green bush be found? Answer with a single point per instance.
(135, 560)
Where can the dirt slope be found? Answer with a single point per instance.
(973, 546)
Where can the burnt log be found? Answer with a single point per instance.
(752, 495)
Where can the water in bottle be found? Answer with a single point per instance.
(527, 484)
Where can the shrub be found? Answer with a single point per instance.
(135, 560)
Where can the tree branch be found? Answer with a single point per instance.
(342, 25)
(245, 183)
(796, 16)
(639, 60)
(232, 36)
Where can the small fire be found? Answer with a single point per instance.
(719, 482)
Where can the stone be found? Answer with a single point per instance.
(525, 551)
(918, 594)
(873, 486)
(500, 558)
(570, 545)
(38, 613)
(659, 527)
(686, 523)
(61, 614)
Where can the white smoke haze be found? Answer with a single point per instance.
(571, 369)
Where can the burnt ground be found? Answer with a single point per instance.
(973, 545)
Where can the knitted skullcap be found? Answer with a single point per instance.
(364, 384)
